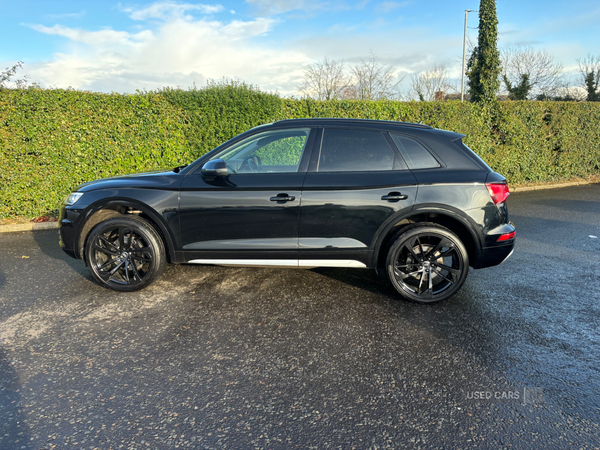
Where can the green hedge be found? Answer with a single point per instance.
(53, 140)
(528, 142)
(221, 111)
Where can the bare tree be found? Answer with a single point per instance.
(529, 73)
(589, 69)
(6, 77)
(372, 80)
(324, 80)
(426, 84)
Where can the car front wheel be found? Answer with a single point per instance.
(427, 263)
(125, 254)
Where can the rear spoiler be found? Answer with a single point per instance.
(451, 135)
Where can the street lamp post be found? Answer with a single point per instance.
(462, 89)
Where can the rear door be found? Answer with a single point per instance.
(356, 180)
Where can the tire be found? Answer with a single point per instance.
(427, 263)
(125, 254)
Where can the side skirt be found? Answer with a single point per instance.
(282, 262)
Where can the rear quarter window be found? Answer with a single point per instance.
(415, 155)
(473, 155)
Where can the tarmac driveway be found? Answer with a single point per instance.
(212, 357)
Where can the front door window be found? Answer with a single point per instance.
(270, 152)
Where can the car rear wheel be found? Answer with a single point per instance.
(125, 254)
(427, 263)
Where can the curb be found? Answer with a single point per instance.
(540, 187)
(31, 226)
(28, 226)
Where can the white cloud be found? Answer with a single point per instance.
(180, 50)
(78, 15)
(274, 7)
(405, 48)
(408, 50)
(390, 6)
(270, 7)
(175, 52)
(239, 30)
(166, 10)
(93, 37)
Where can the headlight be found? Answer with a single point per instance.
(72, 198)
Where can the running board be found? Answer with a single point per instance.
(282, 262)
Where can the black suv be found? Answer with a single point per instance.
(402, 198)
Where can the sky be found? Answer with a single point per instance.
(124, 46)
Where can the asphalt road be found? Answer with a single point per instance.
(212, 357)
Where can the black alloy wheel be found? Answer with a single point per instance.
(427, 263)
(125, 254)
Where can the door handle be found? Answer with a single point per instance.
(394, 197)
(283, 198)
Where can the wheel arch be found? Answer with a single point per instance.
(451, 218)
(110, 208)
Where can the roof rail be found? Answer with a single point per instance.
(366, 121)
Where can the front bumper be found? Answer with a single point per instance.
(66, 230)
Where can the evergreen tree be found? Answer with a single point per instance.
(592, 87)
(519, 91)
(484, 66)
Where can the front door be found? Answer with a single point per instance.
(251, 215)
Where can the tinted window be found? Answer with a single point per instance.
(415, 155)
(271, 151)
(354, 151)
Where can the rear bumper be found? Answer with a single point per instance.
(497, 251)
(492, 256)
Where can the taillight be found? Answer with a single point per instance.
(498, 191)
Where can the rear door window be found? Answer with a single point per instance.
(345, 150)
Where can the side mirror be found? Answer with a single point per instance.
(215, 168)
